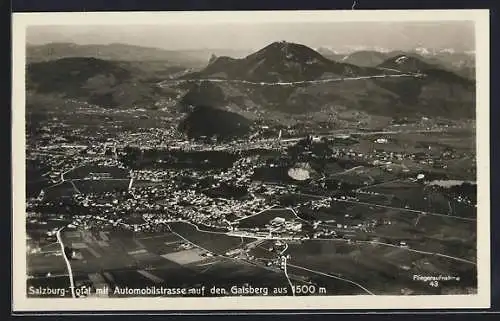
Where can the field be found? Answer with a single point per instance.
(419, 142)
(40, 264)
(122, 259)
(417, 197)
(186, 256)
(213, 241)
(433, 233)
(273, 174)
(460, 141)
(101, 185)
(389, 270)
(341, 213)
(34, 179)
(359, 175)
(262, 251)
(58, 191)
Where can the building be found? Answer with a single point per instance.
(277, 221)
(99, 175)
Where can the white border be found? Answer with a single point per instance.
(22, 304)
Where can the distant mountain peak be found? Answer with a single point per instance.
(285, 50)
(280, 61)
(407, 63)
(401, 60)
(213, 57)
(281, 44)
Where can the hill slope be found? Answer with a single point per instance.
(100, 82)
(460, 63)
(438, 93)
(403, 85)
(281, 77)
(365, 58)
(280, 62)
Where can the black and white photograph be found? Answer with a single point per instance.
(304, 159)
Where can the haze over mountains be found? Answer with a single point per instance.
(282, 77)
(250, 34)
(124, 52)
(462, 63)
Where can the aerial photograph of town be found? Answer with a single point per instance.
(277, 159)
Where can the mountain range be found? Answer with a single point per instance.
(398, 85)
(100, 82)
(124, 52)
(458, 62)
(281, 62)
(462, 63)
(283, 77)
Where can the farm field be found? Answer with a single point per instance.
(376, 267)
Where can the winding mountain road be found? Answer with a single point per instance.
(283, 83)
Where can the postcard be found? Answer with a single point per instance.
(251, 160)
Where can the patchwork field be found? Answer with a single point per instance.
(377, 267)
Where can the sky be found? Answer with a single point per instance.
(457, 35)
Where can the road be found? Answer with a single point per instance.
(285, 265)
(257, 213)
(284, 250)
(418, 251)
(406, 248)
(348, 170)
(285, 268)
(74, 187)
(68, 264)
(283, 83)
(364, 242)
